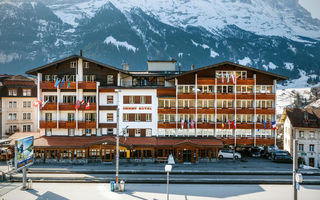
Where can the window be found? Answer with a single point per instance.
(89, 78)
(48, 116)
(48, 131)
(91, 99)
(312, 135)
(70, 116)
(47, 78)
(301, 134)
(69, 99)
(110, 79)
(71, 131)
(26, 116)
(110, 131)
(12, 128)
(125, 117)
(137, 132)
(138, 117)
(26, 92)
(109, 117)
(88, 131)
(26, 128)
(301, 147)
(12, 92)
(131, 99)
(50, 99)
(311, 147)
(73, 64)
(13, 104)
(86, 65)
(12, 116)
(142, 99)
(224, 89)
(149, 117)
(27, 104)
(109, 99)
(148, 132)
(90, 117)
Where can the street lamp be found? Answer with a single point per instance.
(168, 169)
(117, 141)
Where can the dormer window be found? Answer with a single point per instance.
(73, 64)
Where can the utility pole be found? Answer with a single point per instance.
(117, 153)
(295, 167)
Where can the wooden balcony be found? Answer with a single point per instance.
(225, 111)
(93, 106)
(66, 106)
(87, 85)
(51, 84)
(205, 125)
(48, 124)
(166, 124)
(261, 126)
(186, 111)
(248, 141)
(206, 110)
(248, 81)
(107, 125)
(266, 111)
(166, 110)
(186, 96)
(245, 111)
(67, 124)
(271, 96)
(49, 106)
(225, 96)
(206, 96)
(87, 124)
(245, 96)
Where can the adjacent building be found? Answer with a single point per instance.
(304, 126)
(18, 93)
(158, 112)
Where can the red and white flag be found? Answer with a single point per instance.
(229, 124)
(37, 103)
(192, 124)
(44, 103)
(233, 78)
(88, 105)
(182, 123)
(233, 124)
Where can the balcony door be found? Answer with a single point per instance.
(48, 117)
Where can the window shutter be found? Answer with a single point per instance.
(148, 100)
(143, 117)
(125, 99)
(131, 117)
(131, 133)
(143, 132)
(137, 99)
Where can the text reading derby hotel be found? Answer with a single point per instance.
(82, 104)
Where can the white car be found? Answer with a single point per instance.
(228, 154)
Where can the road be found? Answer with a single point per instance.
(92, 191)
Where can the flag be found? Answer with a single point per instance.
(62, 82)
(77, 105)
(192, 123)
(68, 82)
(83, 102)
(188, 124)
(233, 124)
(274, 125)
(270, 124)
(264, 124)
(44, 103)
(233, 78)
(222, 125)
(182, 123)
(57, 82)
(88, 105)
(228, 78)
(222, 78)
(37, 103)
(229, 124)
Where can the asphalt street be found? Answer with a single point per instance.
(82, 191)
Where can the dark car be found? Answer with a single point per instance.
(281, 156)
(255, 152)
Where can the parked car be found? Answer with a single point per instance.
(228, 154)
(281, 156)
(256, 152)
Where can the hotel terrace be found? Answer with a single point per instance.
(158, 112)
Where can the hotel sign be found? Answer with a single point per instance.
(138, 108)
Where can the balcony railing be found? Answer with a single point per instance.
(67, 124)
(87, 124)
(48, 124)
(51, 85)
(87, 85)
(49, 106)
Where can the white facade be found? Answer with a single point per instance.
(308, 142)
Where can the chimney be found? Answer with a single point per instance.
(80, 52)
(125, 66)
(192, 67)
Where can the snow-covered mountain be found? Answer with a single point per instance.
(273, 35)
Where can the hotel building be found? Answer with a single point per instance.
(158, 112)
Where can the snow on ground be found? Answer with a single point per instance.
(113, 41)
(202, 45)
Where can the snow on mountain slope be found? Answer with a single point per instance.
(272, 17)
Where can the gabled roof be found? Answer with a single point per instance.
(279, 77)
(18, 78)
(35, 70)
(303, 118)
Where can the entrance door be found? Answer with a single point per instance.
(106, 155)
(186, 155)
(311, 162)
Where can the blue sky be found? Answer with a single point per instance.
(313, 6)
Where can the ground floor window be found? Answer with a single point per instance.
(80, 153)
(26, 128)
(110, 131)
(48, 131)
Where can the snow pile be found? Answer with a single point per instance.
(113, 41)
